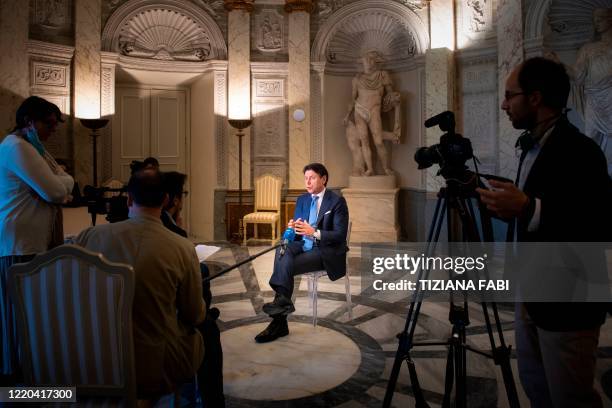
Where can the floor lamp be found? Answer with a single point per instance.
(94, 125)
(240, 125)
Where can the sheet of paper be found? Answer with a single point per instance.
(204, 251)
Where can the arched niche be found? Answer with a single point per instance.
(392, 28)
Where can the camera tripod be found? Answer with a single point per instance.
(453, 200)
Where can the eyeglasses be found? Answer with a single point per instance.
(185, 193)
(510, 95)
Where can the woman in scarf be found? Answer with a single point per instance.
(32, 188)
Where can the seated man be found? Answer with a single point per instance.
(168, 302)
(210, 374)
(321, 222)
(174, 184)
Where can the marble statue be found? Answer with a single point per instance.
(372, 95)
(592, 83)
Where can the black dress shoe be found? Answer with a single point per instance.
(281, 305)
(277, 328)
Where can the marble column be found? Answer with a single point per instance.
(87, 70)
(318, 111)
(239, 88)
(510, 53)
(299, 88)
(14, 81)
(439, 77)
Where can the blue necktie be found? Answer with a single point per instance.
(312, 219)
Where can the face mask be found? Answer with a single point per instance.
(32, 137)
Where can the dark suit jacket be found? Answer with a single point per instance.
(332, 221)
(570, 178)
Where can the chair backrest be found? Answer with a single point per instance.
(74, 315)
(268, 193)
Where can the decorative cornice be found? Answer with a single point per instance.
(246, 5)
(299, 5)
(280, 68)
(50, 50)
(163, 66)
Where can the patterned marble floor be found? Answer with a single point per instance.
(347, 362)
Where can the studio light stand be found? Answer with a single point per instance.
(240, 125)
(94, 125)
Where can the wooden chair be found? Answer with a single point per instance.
(74, 320)
(267, 206)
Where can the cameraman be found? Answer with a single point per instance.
(562, 193)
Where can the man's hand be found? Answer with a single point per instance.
(303, 228)
(506, 200)
(291, 224)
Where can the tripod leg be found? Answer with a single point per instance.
(405, 337)
(449, 378)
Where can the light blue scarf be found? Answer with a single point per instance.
(32, 137)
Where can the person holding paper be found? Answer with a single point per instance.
(320, 222)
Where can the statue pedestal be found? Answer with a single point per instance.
(372, 203)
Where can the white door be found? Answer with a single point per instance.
(148, 122)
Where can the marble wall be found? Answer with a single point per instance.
(87, 70)
(510, 53)
(14, 82)
(239, 95)
(299, 95)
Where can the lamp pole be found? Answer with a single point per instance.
(240, 125)
(94, 125)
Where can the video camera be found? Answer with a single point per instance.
(114, 206)
(451, 153)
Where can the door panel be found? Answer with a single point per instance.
(131, 130)
(168, 129)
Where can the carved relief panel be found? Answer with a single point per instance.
(270, 128)
(270, 31)
(475, 21)
(52, 21)
(480, 111)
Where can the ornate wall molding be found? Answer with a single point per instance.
(299, 5)
(391, 28)
(535, 18)
(328, 7)
(220, 92)
(169, 30)
(51, 78)
(239, 5)
(269, 132)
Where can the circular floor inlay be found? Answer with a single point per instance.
(309, 361)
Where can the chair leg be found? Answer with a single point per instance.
(314, 301)
(273, 227)
(309, 278)
(255, 230)
(349, 304)
(244, 232)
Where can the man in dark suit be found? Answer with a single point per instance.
(563, 194)
(320, 222)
